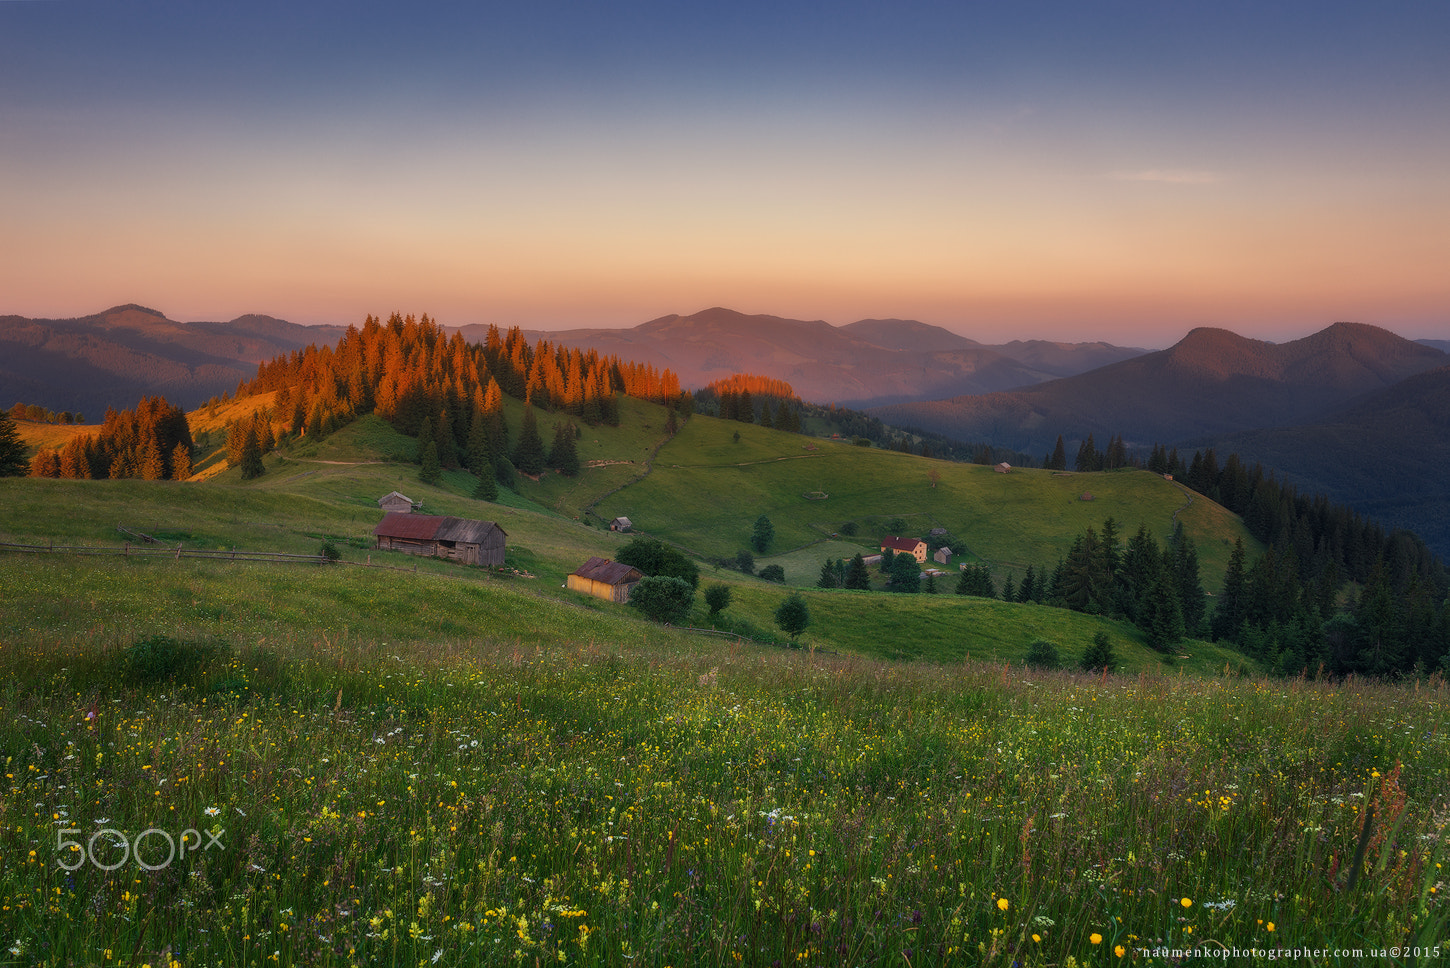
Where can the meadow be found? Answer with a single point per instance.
(675, 801)
(429, 764)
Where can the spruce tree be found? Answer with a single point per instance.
(762, 535)
(857, 575)
(828, 575)
(564, 456)
(1058, 461)
(252, 466)
(12, 449)
(487, 487)
(432, 471)
(529, 455)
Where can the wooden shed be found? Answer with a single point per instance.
(602, 578)
(621, 524)
(458, 539)
(393, 501)
(1003, 468)
(943, 555)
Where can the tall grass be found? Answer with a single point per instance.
(475, 801)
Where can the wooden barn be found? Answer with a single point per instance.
(458, 539)
(393, 501)
(602, 578)
(1003, 468)
(621, 524)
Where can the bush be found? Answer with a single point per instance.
(329, 550)
(718, 598)
(850, 528)
(773, 573)
(1100, 656)
(1042, 654)
(745, 561)
(663, 599)
(653, 557)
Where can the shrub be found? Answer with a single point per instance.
(329, 550)
(663, 598)
(1042, 654)
(850, 528)
(653, 557)
(1100, 656)
(718, 598)
(773, 573)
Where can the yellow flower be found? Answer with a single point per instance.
(1095, 938)
(1270, 925)
(1037, 938)
(1120, 951)
(1186, 902)
(1002, 904)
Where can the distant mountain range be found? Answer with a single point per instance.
(115, 357)
(866, 363)
(1213, 382)
(1387, 455)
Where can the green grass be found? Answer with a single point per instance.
(452, 766)
(707, 490)
(668, 801)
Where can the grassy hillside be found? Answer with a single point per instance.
(649, 799)
(298, 504)
(707, 489)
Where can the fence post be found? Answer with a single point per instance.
(178, 551)
(127, 550)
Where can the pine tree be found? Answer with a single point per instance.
(181, 462)
(564, 456)
(1009, 591)
(529, 455)
(153, 466)
(487, 487)
(252, 466)
(828, 577)
(432, 470)
(1229, 614)
(857, 575)
(762, 535)
(1058, 461)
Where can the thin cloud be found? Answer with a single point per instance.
(1171, 176)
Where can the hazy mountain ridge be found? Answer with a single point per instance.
(114, 357)
(1210, 383)
(866, 363)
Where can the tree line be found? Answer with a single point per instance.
(152, 442)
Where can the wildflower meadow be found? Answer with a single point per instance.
(676, 802)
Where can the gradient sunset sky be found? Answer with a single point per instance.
(1070, 170)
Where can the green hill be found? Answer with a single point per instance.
(327, 489)
(707, 489)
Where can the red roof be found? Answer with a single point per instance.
(412, 527)
(608, 572)
(430, 527)
(908, 545)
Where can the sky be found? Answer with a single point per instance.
(1073, 171)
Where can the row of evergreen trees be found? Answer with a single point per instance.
(152, 442)
(410, 372)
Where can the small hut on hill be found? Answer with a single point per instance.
(393, 501)
(621, 524)
(1003, 468)
(602, 578)
(458, 539)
